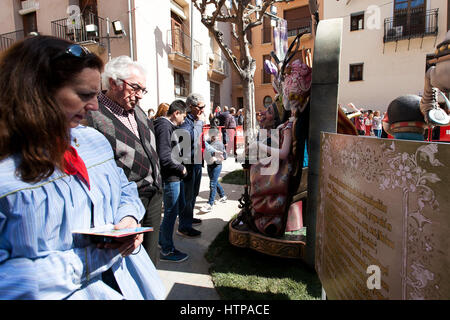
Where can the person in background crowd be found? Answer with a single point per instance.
(56, 177)
(217, 112)
(172, 175)
(132, 137)
(368, 122)
(258, 118)
(151, 113)
(233, 112)
(222, 116)
(215, 154)
(376, 123)
(193, 126)
(162, 110)
(239, 118)
(223, 119)
(227, 131)
(360, 124)
(213, 117)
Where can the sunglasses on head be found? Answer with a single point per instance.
(74, 50)
(77, 51)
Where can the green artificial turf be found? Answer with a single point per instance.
(234, 177)
(244, 274)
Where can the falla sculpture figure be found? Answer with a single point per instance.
(437, 79)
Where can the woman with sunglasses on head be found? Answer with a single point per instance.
(56, 177)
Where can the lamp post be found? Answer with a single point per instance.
(118, 29)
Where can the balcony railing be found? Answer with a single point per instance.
(180, 43)
(298, 25)
(411, 24)
(8, 39)
(218, 64)
(88, 28)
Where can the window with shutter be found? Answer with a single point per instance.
(298, 20)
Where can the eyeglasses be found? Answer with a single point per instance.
(136, 88)
(200, 107)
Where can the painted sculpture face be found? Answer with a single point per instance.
(267, 118)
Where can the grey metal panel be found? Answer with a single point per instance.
(323, 115)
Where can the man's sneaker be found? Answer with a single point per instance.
(206, 208)
(189, 233)
(223, 199)
(173, 256)
(196, 222)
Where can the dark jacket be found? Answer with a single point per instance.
(227, 120)
(195, 131)
(239, 120)
(222, 116)
(170, 170)
(230, 122)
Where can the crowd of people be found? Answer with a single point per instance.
(78, 152)
(58, 176)
(367, 122)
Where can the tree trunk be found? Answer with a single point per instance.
(248, 90)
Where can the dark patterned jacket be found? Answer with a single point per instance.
(136, 156)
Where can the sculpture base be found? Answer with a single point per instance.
(292, 247)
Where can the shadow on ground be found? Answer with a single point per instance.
(181, 291)
(194, 247)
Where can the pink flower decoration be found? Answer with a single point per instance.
(298, 82)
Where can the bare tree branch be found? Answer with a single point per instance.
(242, 17)
(218, 10)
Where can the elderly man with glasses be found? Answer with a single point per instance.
(132, 137)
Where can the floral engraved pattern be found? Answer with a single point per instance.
(411, 173)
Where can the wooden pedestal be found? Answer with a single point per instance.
(293, 248)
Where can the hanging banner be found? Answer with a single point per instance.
(383, 218)
(280, 38)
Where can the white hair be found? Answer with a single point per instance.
(120, 68)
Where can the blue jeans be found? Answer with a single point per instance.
(214, 185)
(377, 133)
(191, 189)
(174, 203)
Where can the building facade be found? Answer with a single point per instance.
(384, 47)
(156, 33)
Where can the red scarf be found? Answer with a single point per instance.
(75, 166)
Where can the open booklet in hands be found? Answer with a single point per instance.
(107, 233)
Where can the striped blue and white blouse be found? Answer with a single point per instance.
(39, 256)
